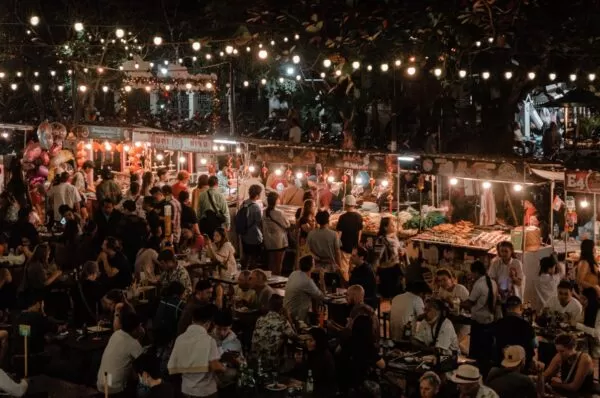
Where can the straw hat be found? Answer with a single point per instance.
(466, 374)
(514, 355)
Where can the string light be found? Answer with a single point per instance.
(203, 161)
(355, 65)
(2, 75)
(338, 72)
(508, 75)
(263, 54)
(238, 150)
(160, 157)
(572, 77)
(552, 76)
(478, 43)
(296, 59)
(486, 185)
(138, 144)
(531, 75)
(462, 73)
(331, 179)
(126, 148)
(251, 169)
(88, 146)
(298, 77)
(100, 70)
(385, 67)
(208, 56)
(517, 187)
(369, 68)
(107, 146)
(281, 80)
(209, 85)
(248, 49)
(584, 203)
(119, 33)
(411, 70)
(296, 36)
(290, 71)
(299, 175)
(78, 26)
(398, 63)
(358, 181)
(188, 86)
(327, 62)
(36, 87)
(322, 75)
(485, 75)
(182, 159)
(437, 72)
(127, 89)
(385, 183)
(34, 20)
(263, 81)
(61, 88)
(83, 88)
(592, 77)
(168, 87)
(229, 49)
(196, 46)
(105, 89)
(13, 86)
(278, 172)
(157, 40)
(453, 181)
(246, 84)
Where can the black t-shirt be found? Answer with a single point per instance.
(364, 276)
(188, 217)
(124, 277)
(514, 330)
(40, 326)
(153, 220)
(86, 301)
(508, 383)
(163, 390)
(350, 224)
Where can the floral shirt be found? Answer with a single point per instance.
(179, 274)
(268, 338)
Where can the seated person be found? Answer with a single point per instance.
(355, 296)
(118, 271)
(564, 303)
(436, 331)
(362, 274)
(407, 307)
(513, 330)
(168, 314)
(86, 296)
(8, 293)
(243, 295)
(301, 290)
(38, 274)
(576, 369)
(258, 281)
(509, 381)
(148, 371)
(118, 356)
(230, 347)
(9, 387)
(318, 361)
(202, 296)
(115, 302)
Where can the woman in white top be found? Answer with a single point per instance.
(436, 332)
(275, 227)
(546, 284)
(223, 252)
(507, 271)
(389, 251)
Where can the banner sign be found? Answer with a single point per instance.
(106, 133)
(196, 144)
(582, 181)
(170, 142)
(477, 169)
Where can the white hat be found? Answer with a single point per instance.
(466, 374)
(514, 355)
(350, 200)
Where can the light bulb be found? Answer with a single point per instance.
(251, 169)
(355, 65)
(322, 75)
(592, 77)
(486, 185)
(209, 85)
(100, 70)
(196, 46)
(105, 89)
(296, 59)
(411, 70)
(215, 148)
(272, 42)
(478, 44)
(462, 73)
(60, 88)
(36, 87)
(281, 80)
(137, 144)
(437, 72)
(338, 72)
(531, 75)
(88, 146)
(107, 146)
(208, 56)
(168, 87)
(299, 175)
(358, 181)
(164, 71)
(298, 77)
(182, 159)
(296, 36)
(572, 77)
(83, 88)
(222, 148)
(157, 41)
(263, 54)
(385, 67)
(246, 83)
(127, 89)
(453, 181)
(517, 187)
(508, 75)
(229, 49)
(2, 75)
(78, 26)
(4, 134)
(584, 203)
(398, 63)
(385, 183)
(188, 86)
(160, 157)
(126, 148)
(327, 62)
(203, 161)
(490, 40)
(13, 86)
(289, 71)
(120, 33)
(263, 81)
(238, 150)
(331, 179)
(278, 172)
(248, 49)
(552, 76)
(369, 68)
(34, 20)
(485, 75)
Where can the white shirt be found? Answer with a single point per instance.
(8, 386)
(300, 290)
(458, 291)
(499, 272)
(117, 358)
(486, 392)
(295, 135)
(573, 308)
(246, 184)
(480, 312)
(406, 307)
(546, 287)
(63, 194)
(144, 262)
(446, 339)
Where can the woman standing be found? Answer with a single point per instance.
(147, 183)
(546, 285)
(390, 251)
(305, 223)
(222, 251)
(275, 227)
(587, 269)
(507, 271)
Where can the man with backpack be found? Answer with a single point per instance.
(213, 209)
(248, 222)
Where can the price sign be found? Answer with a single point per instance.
(24, 330)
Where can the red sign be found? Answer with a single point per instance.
(582, 181)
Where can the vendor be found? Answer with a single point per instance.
(223, 176)
(530, 213)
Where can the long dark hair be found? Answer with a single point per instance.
(383, 226)
(271, 202)
(587, 254)
(442, 309)
(591, 310)
(478, 267)
(545, 264)
(147, 180)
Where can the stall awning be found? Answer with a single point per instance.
(549, 175)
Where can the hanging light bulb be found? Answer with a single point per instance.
(572, 77)
(208, 56)
(486, 185)
(263, 81)
(453, 181)
(299, 175)
(552, 76)
(188, 86)
(138, 144)
(281, 80)
(385, 67)
(168, 87)
(331, 179)
(203, 161)
(127, 89)
(278, 172)
(251, 169)
(369, 68)
(248, 49)
(592, 77)
(107, 146)
(385, 183)
(338, 72)
(88, 146)
(263, 54)
(296, 36)
(2, 75)
(322, 75)
(355, 65)
(508, 75)
(105, 89)
(209, 85)
(358, 181)
(531, 75)
(126, 148)
(584, 203)
(215, 148)
(517, 187)
(61, 88)
(222, 148)
(485, 75)
(83, 88)
(13, 86)
(238, 150)
(478, 44)
(411, 70)
(246, 83)
(437, 72)
(398, 63)
(327, 62)
(290, 71)
(196, 46)
(160, 157)
(229, 49)
(157, 40)
(34, 20)
(78, 26)
(462, 73)
(182, 159)
(36, 87)
(296, 59)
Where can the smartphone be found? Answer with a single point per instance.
(63, 221)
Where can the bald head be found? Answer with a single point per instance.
(244, 280)
(356, 294)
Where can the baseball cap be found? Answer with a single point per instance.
(514, 355)
(350, 200)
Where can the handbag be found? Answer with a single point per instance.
(214, 217)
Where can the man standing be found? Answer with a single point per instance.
(248, 223)
(300, 291)
(183, 178)
(213, 210)
(325, 246)
(64, 194)
(196, 356)
(163, 177)
(349, 228)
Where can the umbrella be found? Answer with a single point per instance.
(576, 97)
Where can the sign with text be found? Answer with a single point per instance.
(582, 181)
(170, 142)
(469, 168)
(106, 133)
(196, 144)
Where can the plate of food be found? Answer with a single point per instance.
(97, 329)
(276, 387)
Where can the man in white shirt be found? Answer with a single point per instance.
(436, 331)
(407, 307)
(118, 356)
(565, 303)
(300, 290)
(64, 194)
(196, 356)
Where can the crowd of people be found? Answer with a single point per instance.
(198, 337)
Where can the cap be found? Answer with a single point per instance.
(350, 200)
(514, 355)
(466, 374)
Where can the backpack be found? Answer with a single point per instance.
(241, 219)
